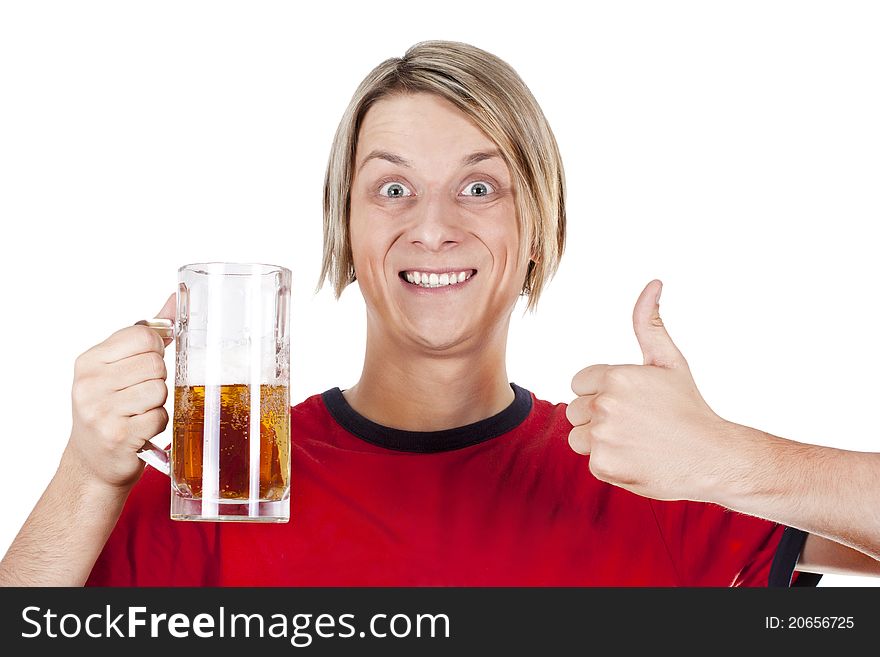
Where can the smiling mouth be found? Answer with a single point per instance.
(437, 279)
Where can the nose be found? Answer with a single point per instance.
(435, 224)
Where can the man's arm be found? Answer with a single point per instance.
(118, 396)
(833, 494)
(821, 555)
(64, 534)
(648, 429)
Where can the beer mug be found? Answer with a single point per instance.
(230, 452)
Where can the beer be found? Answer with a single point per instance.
(234, 441)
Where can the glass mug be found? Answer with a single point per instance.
(230, 452)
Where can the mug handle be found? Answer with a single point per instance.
(151, 453)
(159, 458)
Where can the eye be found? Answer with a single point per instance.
(478, 188)
(394, 190)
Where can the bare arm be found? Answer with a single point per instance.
(821, 555)
(118, 395)
(833, 494)
(64, 534)
(648, 429)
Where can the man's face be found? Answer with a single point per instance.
(434, 235)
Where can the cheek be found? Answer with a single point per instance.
(500, 233)
(369, 241)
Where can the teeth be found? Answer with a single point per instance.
(436, 280)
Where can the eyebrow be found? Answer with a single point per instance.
(468, 160)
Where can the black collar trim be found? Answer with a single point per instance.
(429, 441)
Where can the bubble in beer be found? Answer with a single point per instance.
(233, 440)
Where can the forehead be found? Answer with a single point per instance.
(411, 124)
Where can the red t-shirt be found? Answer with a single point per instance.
(501, 502)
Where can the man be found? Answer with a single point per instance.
(444, 200)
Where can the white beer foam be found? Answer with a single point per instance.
(232, 362)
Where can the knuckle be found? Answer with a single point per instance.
(115, 431)
(156, 365)
(616, 376)
(158, 392)
(142, 338)
(149, 424)
(89, 415)
(79, 365)
(147, 338)
(598, 468)
(129, 430)
(94, 413)
(84, 364)
(160, 421)
(602, 406)
(79, 394)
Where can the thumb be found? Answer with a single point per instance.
(657, 347)
(165, 329)
(169, 310)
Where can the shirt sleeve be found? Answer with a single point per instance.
(713, 546)
(147, 548)
(782, 571)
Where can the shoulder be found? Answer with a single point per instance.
(308, 407)
(309, 417)
(541, 440)
(546, 418)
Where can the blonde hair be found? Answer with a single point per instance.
(494, 97)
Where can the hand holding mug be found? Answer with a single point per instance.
(118, 396)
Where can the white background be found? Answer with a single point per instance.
(729, 149)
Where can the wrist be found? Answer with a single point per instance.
(740, 472)
(75, 475)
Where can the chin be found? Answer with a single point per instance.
(437, 339)
(436, 343)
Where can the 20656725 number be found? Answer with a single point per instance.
(809, 622)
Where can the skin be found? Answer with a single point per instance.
(446, 345)
(118, 395)
(646, 427)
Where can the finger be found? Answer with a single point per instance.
(579, 439)
(149, 424)
(137, 369)
(657, 347)
(140, 398)
(578, 411)
(169, 311)
(130, 341)
(588, 380)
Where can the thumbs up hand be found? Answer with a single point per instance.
(646, 427)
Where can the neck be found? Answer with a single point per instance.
(417, 390)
